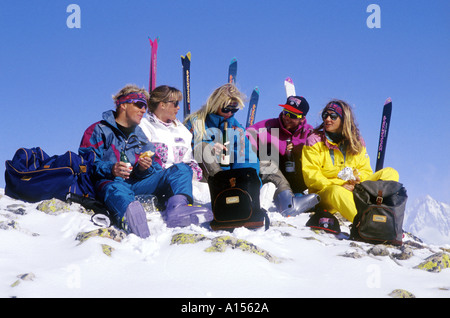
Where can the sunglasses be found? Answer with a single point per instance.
(291, 114)
(174, 102)
(333, 116)
(229, 108)
(139, 104)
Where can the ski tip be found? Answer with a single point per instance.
(255, 93)
(388, 100)
(155, 41)
(233, 60)
(188, 56)
(289, 80)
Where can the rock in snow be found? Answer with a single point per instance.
(52, 249)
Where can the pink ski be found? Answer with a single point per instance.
(152, 81)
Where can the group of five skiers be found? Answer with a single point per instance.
(183, 153)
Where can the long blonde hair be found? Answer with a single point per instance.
(221, 97)
(350, 130)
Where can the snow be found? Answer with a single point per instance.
(311, 264)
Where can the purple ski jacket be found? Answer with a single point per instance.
(269, 138)
(298, 138)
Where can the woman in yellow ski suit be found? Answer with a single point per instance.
(333, 146)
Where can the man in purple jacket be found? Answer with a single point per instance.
(279, 142)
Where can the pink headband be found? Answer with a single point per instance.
(336, 108)
(135, 98)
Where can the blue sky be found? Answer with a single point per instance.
(56, 80)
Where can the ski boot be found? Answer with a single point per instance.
(290, 205)
(180, 213)
(135, 220)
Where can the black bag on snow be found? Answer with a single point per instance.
(33, 176)
(235, 199)
(102, 217)
(381, 206)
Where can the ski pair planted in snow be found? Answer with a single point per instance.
(232, 73)
(186, 66)
(186, 63)
(253, 104)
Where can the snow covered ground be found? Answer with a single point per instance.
(309, 264)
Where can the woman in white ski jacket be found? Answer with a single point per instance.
(170, 137)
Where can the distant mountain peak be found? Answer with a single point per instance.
(429, 219)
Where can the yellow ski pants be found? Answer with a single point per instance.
(336, 198)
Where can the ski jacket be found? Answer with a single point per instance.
(278, 140)
(108, 142)
(322, 160)
(270, 137)
(172, 141)
(241, 153)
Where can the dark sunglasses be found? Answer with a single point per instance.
(140, 104)
(333, 116)
(174, 102)
(291, 114)
(229, 108)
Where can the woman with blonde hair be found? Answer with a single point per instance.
(214, 121)
(334, 159)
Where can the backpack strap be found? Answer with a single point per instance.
(380, 197)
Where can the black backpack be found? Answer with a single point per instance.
(381, 207)
(235, 199)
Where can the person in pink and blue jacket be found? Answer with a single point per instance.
(276, 140)
(121, 171)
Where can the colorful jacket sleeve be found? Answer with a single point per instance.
(94, 140)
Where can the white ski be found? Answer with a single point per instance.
(290, 87)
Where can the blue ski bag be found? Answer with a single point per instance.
(33, 176)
